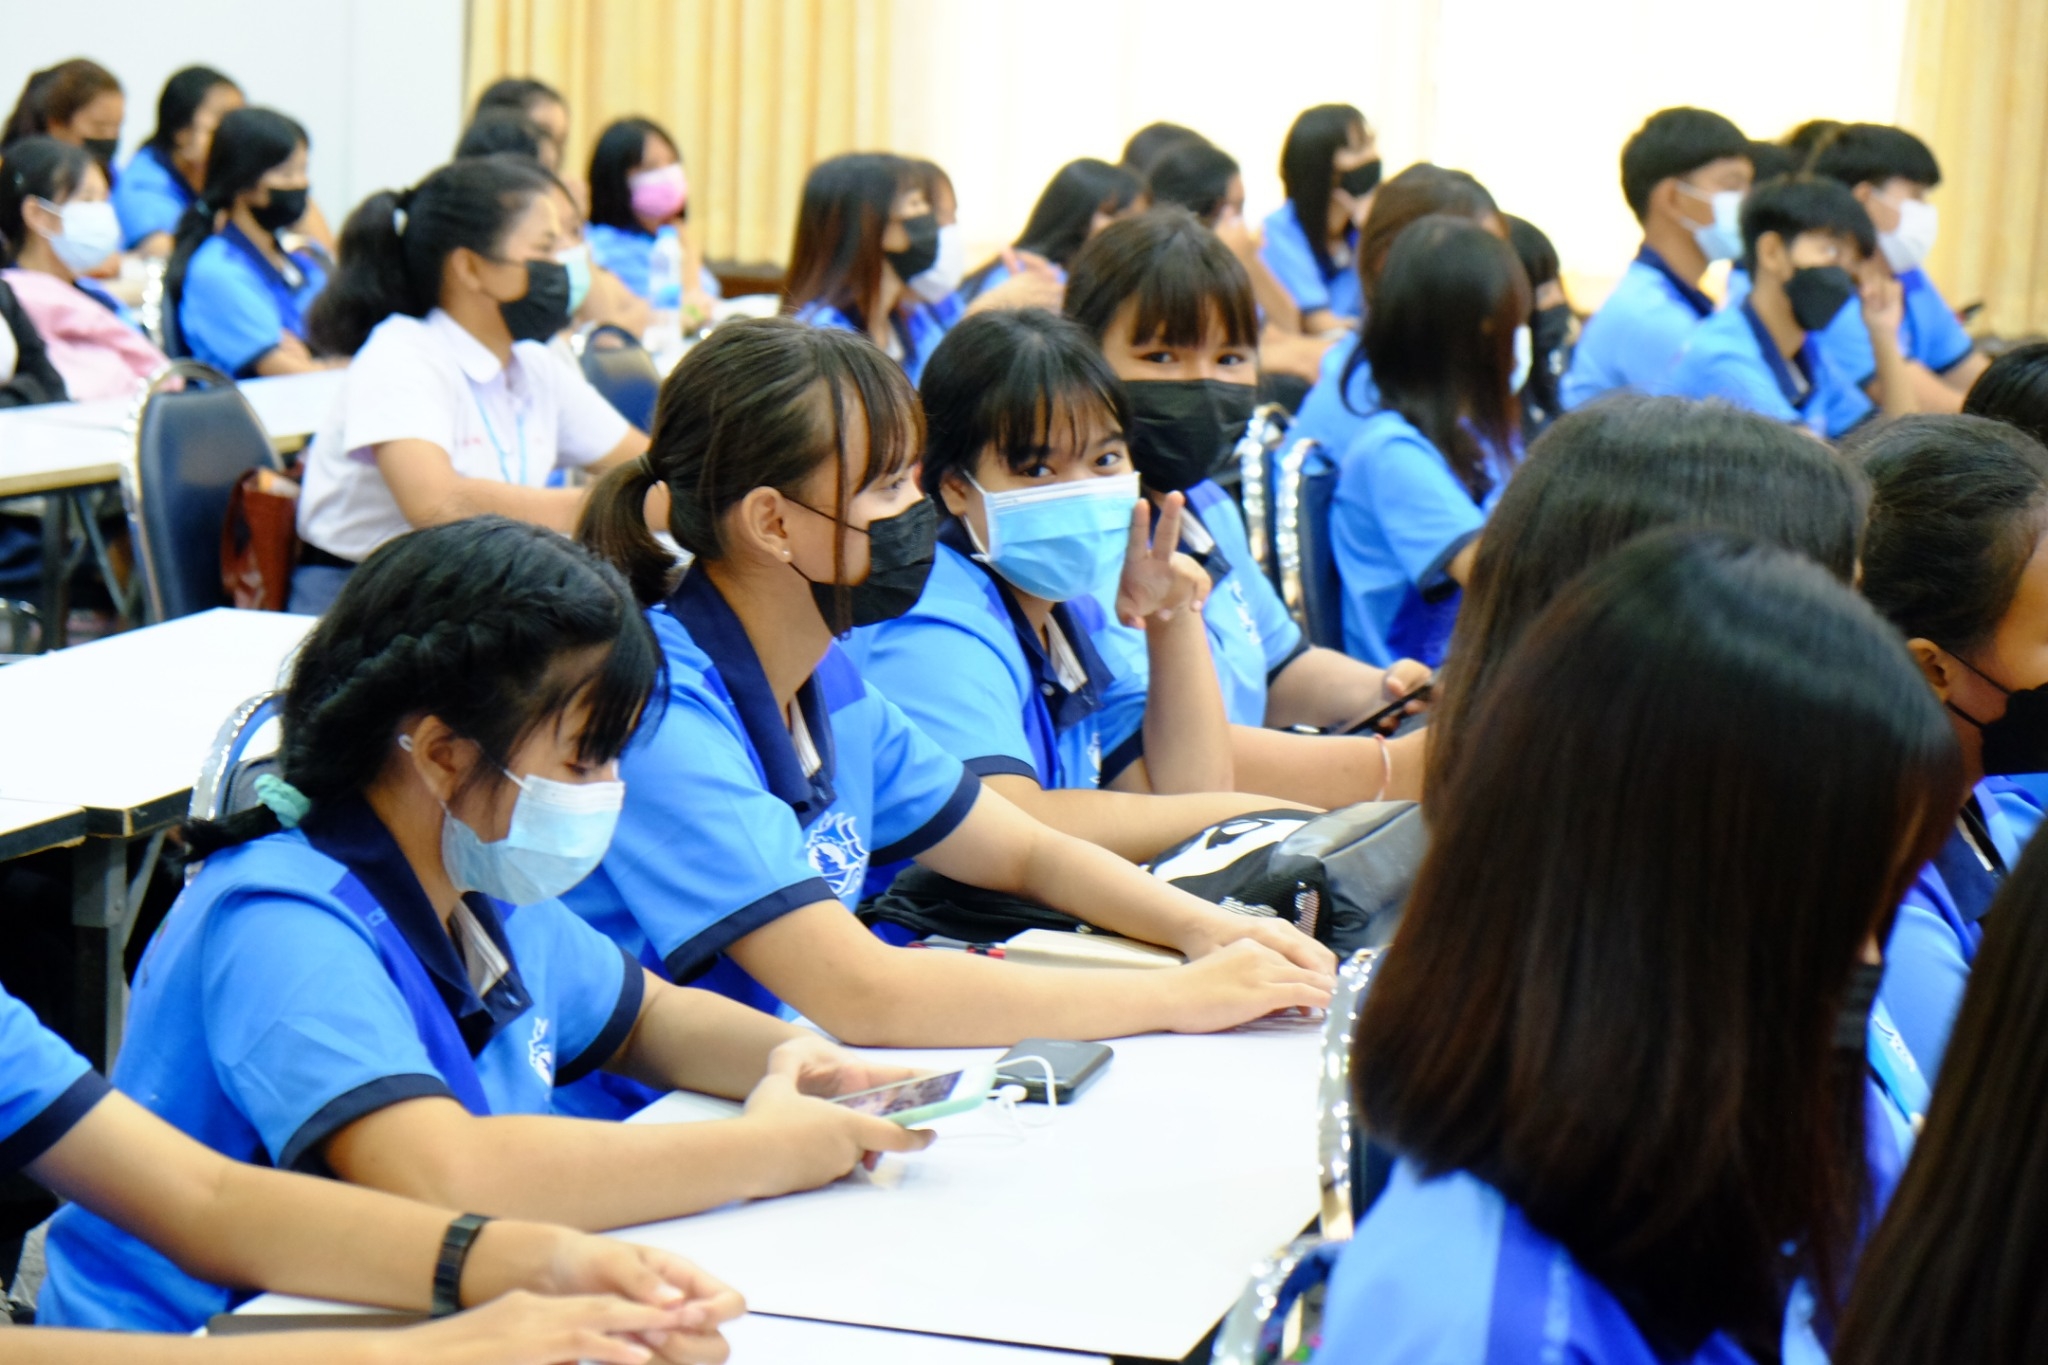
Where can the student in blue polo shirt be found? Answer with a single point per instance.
(63, 1125)
(1081, 199)
(639, 206)
(774, 776)
(1171, 309)
(167, 172)
(237, 296)
(1558, 1188)
(1683, 173)
(1806, 247)
(865, 228)
(1952, 556)
(372, 977)
(1342, 396)
(1891, 173)
(1005, 661)
(1448, 342)
(1329, 166)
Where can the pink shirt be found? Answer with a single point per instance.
(99, 355)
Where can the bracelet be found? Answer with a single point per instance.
(1386, 769)
(455, 1245)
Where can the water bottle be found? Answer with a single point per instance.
(665, 271)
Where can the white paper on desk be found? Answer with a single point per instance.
(758, 1339)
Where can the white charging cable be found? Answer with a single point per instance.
(1010, 1094)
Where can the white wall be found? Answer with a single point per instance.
(377, 83)
(1535, 97)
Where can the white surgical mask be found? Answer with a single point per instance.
(90, 233)
(558, 835)
(937, 284)
(1906, 246)
(1720, 240)
(1525, 358)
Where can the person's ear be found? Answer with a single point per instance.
(40, 219)
(953, 493)
(1773, 256)
(1664, 200)
(440, 757)
(758, 525)
(465, 269)
(1934, 665)
(1864, 193)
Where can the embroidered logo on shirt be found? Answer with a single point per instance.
(540, 1052)
(836, 851)
(1244, 614)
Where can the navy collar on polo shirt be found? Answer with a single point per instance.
(704, 612)
(1199, 545)
(1796, 385)
(180, 186)
(1687, 290)
(349, 832)
(1067, 708)
(1961, 864)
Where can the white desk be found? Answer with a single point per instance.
(758, 1339)
(58, 446)
(292, 407)
(1126, 1227)
(118, 728)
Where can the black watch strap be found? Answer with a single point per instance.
(455, 1245)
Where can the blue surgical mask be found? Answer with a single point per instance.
(1720, 240)
(90, 233)
(1061, 540)
(559, 833)
(577, 261)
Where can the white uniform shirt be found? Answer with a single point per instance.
(430, 380)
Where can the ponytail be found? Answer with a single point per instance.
(614, 526)
(370, 284)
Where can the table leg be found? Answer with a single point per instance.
(104, 904)
(56, 571)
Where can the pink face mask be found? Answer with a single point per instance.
(659, 195)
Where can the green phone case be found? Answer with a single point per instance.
(975, 1083)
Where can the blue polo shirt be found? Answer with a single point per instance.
(1398, 517)
(150, 196)
(1634, 341)
(1930, 333)
(920, 326)
(970, 672)
(1334, 412)
(303, 981)
(629, 252)
(236, 307)
(45, 1087)
(1731, 356)
(1287, 252)
(1939, 927)
(723, 831)
(1252, 635)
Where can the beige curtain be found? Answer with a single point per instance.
(1976, 86)
(754, 92)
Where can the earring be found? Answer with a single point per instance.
(785, 554)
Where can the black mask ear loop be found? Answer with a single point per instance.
(1852, 1024)
(2003, 690)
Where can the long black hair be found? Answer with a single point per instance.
(1440, 338)
(1307, 160)
(1194, 175)
(38, 167)
(250, 142)
(182, 95)
(837, 256)
(1617, 1004)
(1064, 212)
(496, 626)
(760, 403)
(1608, 472)
(393, 247)
(619, 149)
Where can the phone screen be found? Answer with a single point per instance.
(914, 1093)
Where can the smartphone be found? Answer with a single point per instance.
(244, 1324)
(923, 1098)
(1391, 710)
(1074, 1067)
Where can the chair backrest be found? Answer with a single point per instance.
(153, 312)
(1254, 453)
(243, 749)
(1256, 1331)
(191, 448)
(618, 366)
(1307, 567)
(1340, 1135)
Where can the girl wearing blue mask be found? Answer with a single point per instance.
(454, 404)
(1008, 660)
(775, 775)
(1953, 557)
(371, 977)
(1739, 772)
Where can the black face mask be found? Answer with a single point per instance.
(2017, 742)
(1852, 1023)
(923, 250)
(103, 149)
(900, 551)
(1817, 293)
(1182, 430)
(1360, 181)
(285, 208)
(543, 309)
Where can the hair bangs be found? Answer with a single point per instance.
(1046, 400)
(1190, 292)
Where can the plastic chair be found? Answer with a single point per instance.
(235, 759)
(191, 448)
(1254, 451)
(619, 367)
(1309, 584)
(1340, 1139)
(1256, 1330)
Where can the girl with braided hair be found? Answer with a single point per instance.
(371, 976)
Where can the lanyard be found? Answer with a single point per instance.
(504, 456)
(1896, 1070)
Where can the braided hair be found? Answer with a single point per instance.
(495, 626)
